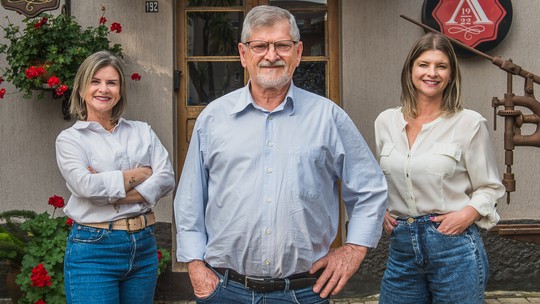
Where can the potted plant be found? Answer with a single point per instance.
(46, 51)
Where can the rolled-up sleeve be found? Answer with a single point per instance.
(484, 176)
(161, 182)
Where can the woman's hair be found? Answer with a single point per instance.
(84, 76)
(451, 102)
(265, 15)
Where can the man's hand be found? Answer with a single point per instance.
(456, 222)
(203, 279)
(339, 266)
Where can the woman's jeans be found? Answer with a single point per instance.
(231, 292)
(110, 266)
(426, 266)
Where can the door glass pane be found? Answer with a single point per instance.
(311, 76)
(210, 80)
(312, 27)
(215, 2)
(213, 33)
(298, 3)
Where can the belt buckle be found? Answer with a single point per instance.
(128, 227)
(247, 279)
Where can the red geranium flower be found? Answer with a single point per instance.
(33, 72)
(136, 76)
(1, 79)
(69, 221)
(102, 20)
(2, 93)
(40, 277)
(56, 201)
(41, 22)
(53, 81)
(61, 90)
(116, 27)
(40, 301)
(159, 255)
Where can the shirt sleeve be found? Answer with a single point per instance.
(72, 159)
(364, 188)
(190, 202)
(161, 182)
(481, 166)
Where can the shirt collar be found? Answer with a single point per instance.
(92, 125)
(246, 100)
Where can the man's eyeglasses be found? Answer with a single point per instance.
(282, 47)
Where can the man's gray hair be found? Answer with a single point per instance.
(265, 16)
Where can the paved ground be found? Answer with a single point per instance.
(496, 297)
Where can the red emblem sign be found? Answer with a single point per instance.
(469, 21)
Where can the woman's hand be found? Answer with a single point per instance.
(389, 223)
(456, 222)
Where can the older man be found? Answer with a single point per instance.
(257, 206)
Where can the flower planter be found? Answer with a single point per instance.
(14, 291)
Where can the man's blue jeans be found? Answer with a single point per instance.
(231, 292)
(104, 266)
(426, 266)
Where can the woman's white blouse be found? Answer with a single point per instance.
(450, 165)
(133, 144)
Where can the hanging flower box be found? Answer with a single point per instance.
(46, 51)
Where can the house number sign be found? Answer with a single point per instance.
(151, 7)
(480, 24)
(30, 8)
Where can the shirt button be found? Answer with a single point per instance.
(269, 170)
(267, 262)
(268, 199)
(267, 231)
(270, 144)
(270, 117)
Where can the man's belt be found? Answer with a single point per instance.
(296, 281)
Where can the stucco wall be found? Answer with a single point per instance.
(375, 43)
(28, 128)
(372, 54)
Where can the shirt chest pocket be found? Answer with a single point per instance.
(443, 159)
(305, 172)
(384, 159)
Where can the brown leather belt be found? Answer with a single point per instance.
(296, 281)
(131, 224)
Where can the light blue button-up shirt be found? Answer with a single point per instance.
(259, 190)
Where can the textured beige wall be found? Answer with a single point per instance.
(375, 43)
(28, 128)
